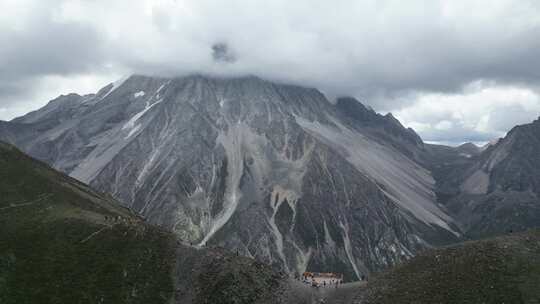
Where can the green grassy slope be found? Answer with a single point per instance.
(61, 242)
(218, 276)
(500, 270)
(64, 243)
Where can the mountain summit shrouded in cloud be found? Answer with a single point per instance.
(420, 60)
(255, 151)
(221, 52)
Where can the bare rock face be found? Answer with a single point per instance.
(495, 190)
(274, 171)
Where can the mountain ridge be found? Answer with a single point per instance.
(274, 171)
(64, 242)
(504, 269)
(496, 190)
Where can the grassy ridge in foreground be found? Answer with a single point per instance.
(61, 242)
(64, 243)
(499, 270)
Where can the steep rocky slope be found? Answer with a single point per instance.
(496, 190)
(64, 243)
(274, 171)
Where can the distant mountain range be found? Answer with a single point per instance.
(493, 190)
(279, 173)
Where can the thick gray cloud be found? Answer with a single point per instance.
(390, 54)
(222, 53)
(35, 45)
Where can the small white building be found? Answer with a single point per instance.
(322, 278)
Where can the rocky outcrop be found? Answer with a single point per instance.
(495, 190)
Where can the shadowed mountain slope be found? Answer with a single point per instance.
(500, 270)
(494, 191)
(65, 243)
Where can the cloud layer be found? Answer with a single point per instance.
(478, 114)
(423, 60)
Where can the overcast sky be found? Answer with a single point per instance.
(455, 71)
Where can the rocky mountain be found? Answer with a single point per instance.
(63, 242)
(274, 171)
(495, 190)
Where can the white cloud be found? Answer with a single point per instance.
(413, 56)
(480, 113)
(444, 125)
(52, 86)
